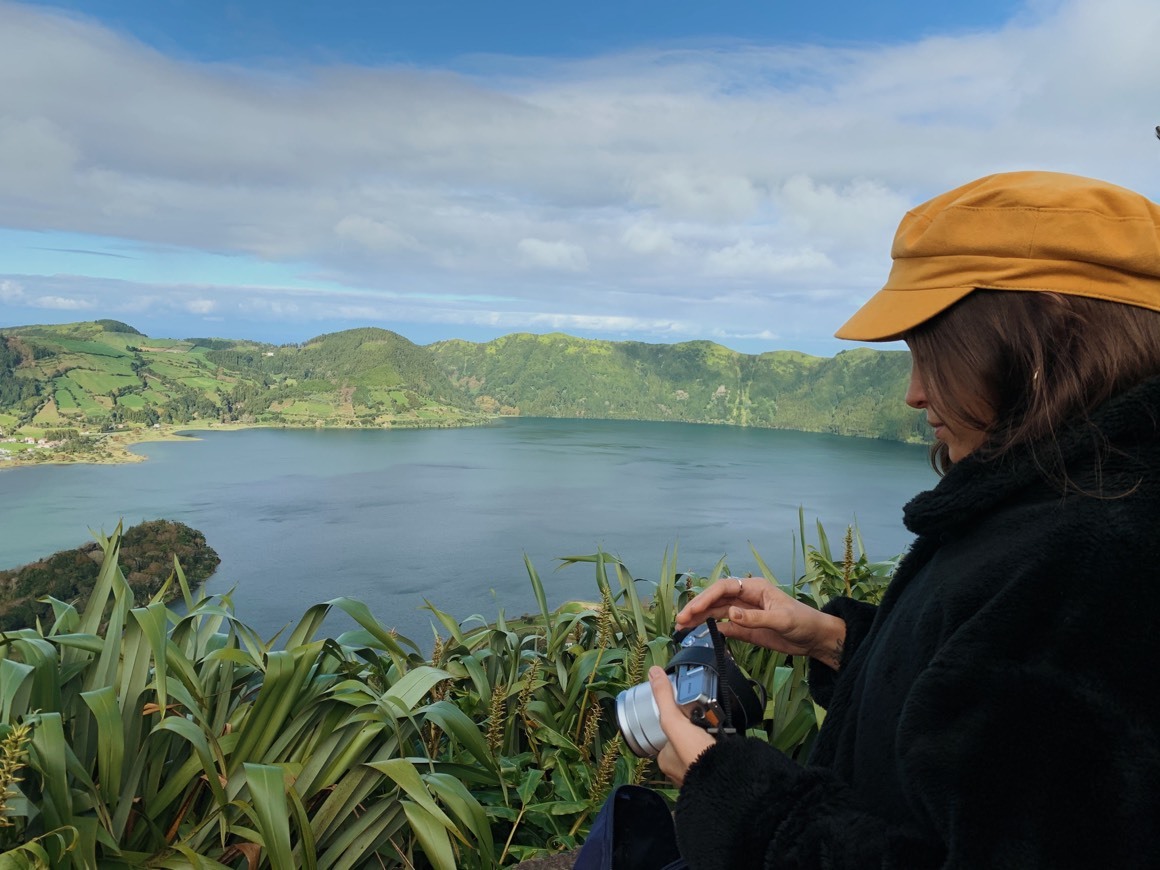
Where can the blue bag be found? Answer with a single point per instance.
(633, 831)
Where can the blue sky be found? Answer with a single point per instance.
(444, 32)
(634, 170)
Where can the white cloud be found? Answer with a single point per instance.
(699, 194)
(748, 259)
(36, 155)
(11, 291)
(559, 256)
(589, 322)
(269, 307)
(666, 178)
(376, 235)
(200, 306)
(61, 303)
(759, 335)
(641, 238)
(841, 215)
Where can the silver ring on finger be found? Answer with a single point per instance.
(740, 585)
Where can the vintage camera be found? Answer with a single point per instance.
(699, 689)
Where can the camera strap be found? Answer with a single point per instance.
(726, 727)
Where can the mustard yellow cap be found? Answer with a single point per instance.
(1027, 231)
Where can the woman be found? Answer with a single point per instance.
(1001, 708)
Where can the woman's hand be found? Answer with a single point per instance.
(761, 614)
(686, 740)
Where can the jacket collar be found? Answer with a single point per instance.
(1106, 453)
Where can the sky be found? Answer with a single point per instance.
(654, 171)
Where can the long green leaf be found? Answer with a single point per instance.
(359, 835)
(153, 623)
(361, 614)
(629, 587)
(268, 793)
(447, 621)
(286, 673)
(47, 850)
(187, 859)
(432, 835)
(467, 810)
(48, 755)
(308, 626)
(403, 773)
(41, 655)
(459, 725)
(306, 851)
(336, 810)
(110, 738)
(209, 764)
(538, 589)
(15, 689)
(103, 588)
(413, 686)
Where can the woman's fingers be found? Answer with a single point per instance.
(740, 632)
(686, 740)
(754, 618)
(760, 613)
(715, 600)
(669, 759)
(662, 689)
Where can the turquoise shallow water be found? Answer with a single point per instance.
(300, 516)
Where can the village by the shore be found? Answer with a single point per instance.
(104, 448)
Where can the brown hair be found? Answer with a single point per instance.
(1018, 365)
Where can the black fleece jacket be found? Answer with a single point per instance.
(1001, 708)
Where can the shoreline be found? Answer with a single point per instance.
(116, 444)
(112, 448)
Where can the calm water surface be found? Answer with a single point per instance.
(393, 518)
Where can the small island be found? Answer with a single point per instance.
(147, 553)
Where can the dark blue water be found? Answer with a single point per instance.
(393, 518)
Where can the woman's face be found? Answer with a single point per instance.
(960, 438)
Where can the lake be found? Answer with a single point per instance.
(396, 517)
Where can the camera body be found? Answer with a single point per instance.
(700, 691)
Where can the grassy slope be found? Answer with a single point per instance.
(101, 375)
(108, 375)
(858, 392)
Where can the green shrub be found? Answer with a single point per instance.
(137, 736)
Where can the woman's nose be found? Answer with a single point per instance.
(915, 392)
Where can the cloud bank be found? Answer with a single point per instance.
(740, 192)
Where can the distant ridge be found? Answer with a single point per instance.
(105, 375)
(858, 392)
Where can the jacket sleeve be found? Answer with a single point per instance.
(744, 804)
(1050, 761)
(857, 615)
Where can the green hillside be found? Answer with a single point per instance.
(106, 375)
(63, 383)
(857, 392)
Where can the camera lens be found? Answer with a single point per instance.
(640, 721)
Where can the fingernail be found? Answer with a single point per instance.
(656, 671)
(736, 614)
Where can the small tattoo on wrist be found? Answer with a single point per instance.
(836, 657)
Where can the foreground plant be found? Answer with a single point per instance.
(138, 736)
(161, 739)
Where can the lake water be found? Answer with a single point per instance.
(391, 518)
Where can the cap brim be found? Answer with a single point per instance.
(890, 314)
